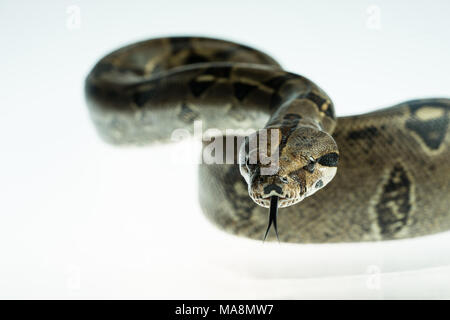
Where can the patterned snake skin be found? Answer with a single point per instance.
(393, 176)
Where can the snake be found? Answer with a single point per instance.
(382, 175)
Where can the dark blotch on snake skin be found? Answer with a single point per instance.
(291, 119)
(319, 184)
(219, 72)
(196, 58)
(226, 54)
(141, 98)
(366, 133)
(329, 160)
(102, 68)
(198, 87)
(241, 90)
(329, 112)
(432, 132)
(277, 82)
(275, 101)
(178, 44)
(394, 205)
(364, 138)
(319, 101)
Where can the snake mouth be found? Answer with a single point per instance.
(282, 201)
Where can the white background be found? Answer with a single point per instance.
(82, 219)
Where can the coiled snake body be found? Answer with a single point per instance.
(393, 170)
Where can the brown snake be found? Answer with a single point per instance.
(393, 170)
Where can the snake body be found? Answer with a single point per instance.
(393, 174)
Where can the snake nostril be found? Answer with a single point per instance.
(273, 187)
(284, 179)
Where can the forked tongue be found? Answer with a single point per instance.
(273, 211)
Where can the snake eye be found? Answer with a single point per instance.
(310, 166)
(284, 179)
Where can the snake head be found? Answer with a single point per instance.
(302, 161)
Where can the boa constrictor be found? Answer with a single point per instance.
(393, 165)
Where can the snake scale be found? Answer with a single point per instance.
(376, 176)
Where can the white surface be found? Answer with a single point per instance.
(80, 219)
